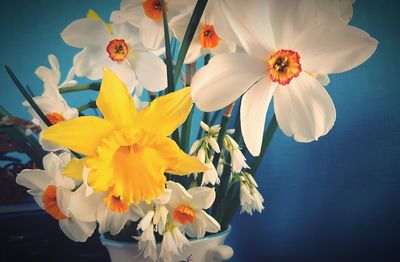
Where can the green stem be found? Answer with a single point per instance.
(186, 130)
(168, 57)
(90, 104)
(69, 89)
(187, 125)
(187, 39)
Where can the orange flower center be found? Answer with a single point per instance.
(184, 214)
(55, 117)
(208, 36)
(152, 8)
(115, 204)
(50, 203)
(117, 50)
(283, 66)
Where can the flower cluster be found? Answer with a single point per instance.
(133, 164)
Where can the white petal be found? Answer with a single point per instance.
(194, 52)
(179, 195)
(146, 220)
(112, 221)
(246, 23)
(151, 33)
(77, 230)
(304, 109)
(34, 179)
(203, 197)
(194, 147)
(213, 143)
(211, 225)
(150, 70)
(164, 198)
(224, 79)
(201, 155)
(52, 164)
(223, 47)
(124, 71)
(289, 19)
(253, 111)
(86, 32)
(85, 208)
(90, 62)
(131, 12)
(126, 32)
(178, 25)
(334, 48)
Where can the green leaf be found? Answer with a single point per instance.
(187, 39)
(27, 96)
(168, 57)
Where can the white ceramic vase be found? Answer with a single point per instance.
(208, 249)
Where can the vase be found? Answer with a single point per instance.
(207, 249)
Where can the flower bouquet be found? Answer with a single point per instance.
(141, 172)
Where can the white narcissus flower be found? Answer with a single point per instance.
(51, 102)
(109, 211)
(207, 37)
(281, 47)
(250, 199)
(119, 49)
(210, 176)
(186, 209)
(147, 16)
(52, 191)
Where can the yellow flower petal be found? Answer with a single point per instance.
(92, 14)
(115, 102)
(81, 134)
(188, 165)
(166, 113)
(74, 169)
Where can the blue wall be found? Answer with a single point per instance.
(333, 200)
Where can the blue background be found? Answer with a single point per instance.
(332, 200)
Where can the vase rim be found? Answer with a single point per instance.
(103, 239)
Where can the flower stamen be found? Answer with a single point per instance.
(117, 50)
(283, 66)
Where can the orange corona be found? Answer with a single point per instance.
(54, 118)
(283, 66)
(117, 50)
(115, 204)
(208, 37)
(50, 203)
(184, 214)
(152, 9)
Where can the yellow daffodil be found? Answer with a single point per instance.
(128, 151)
